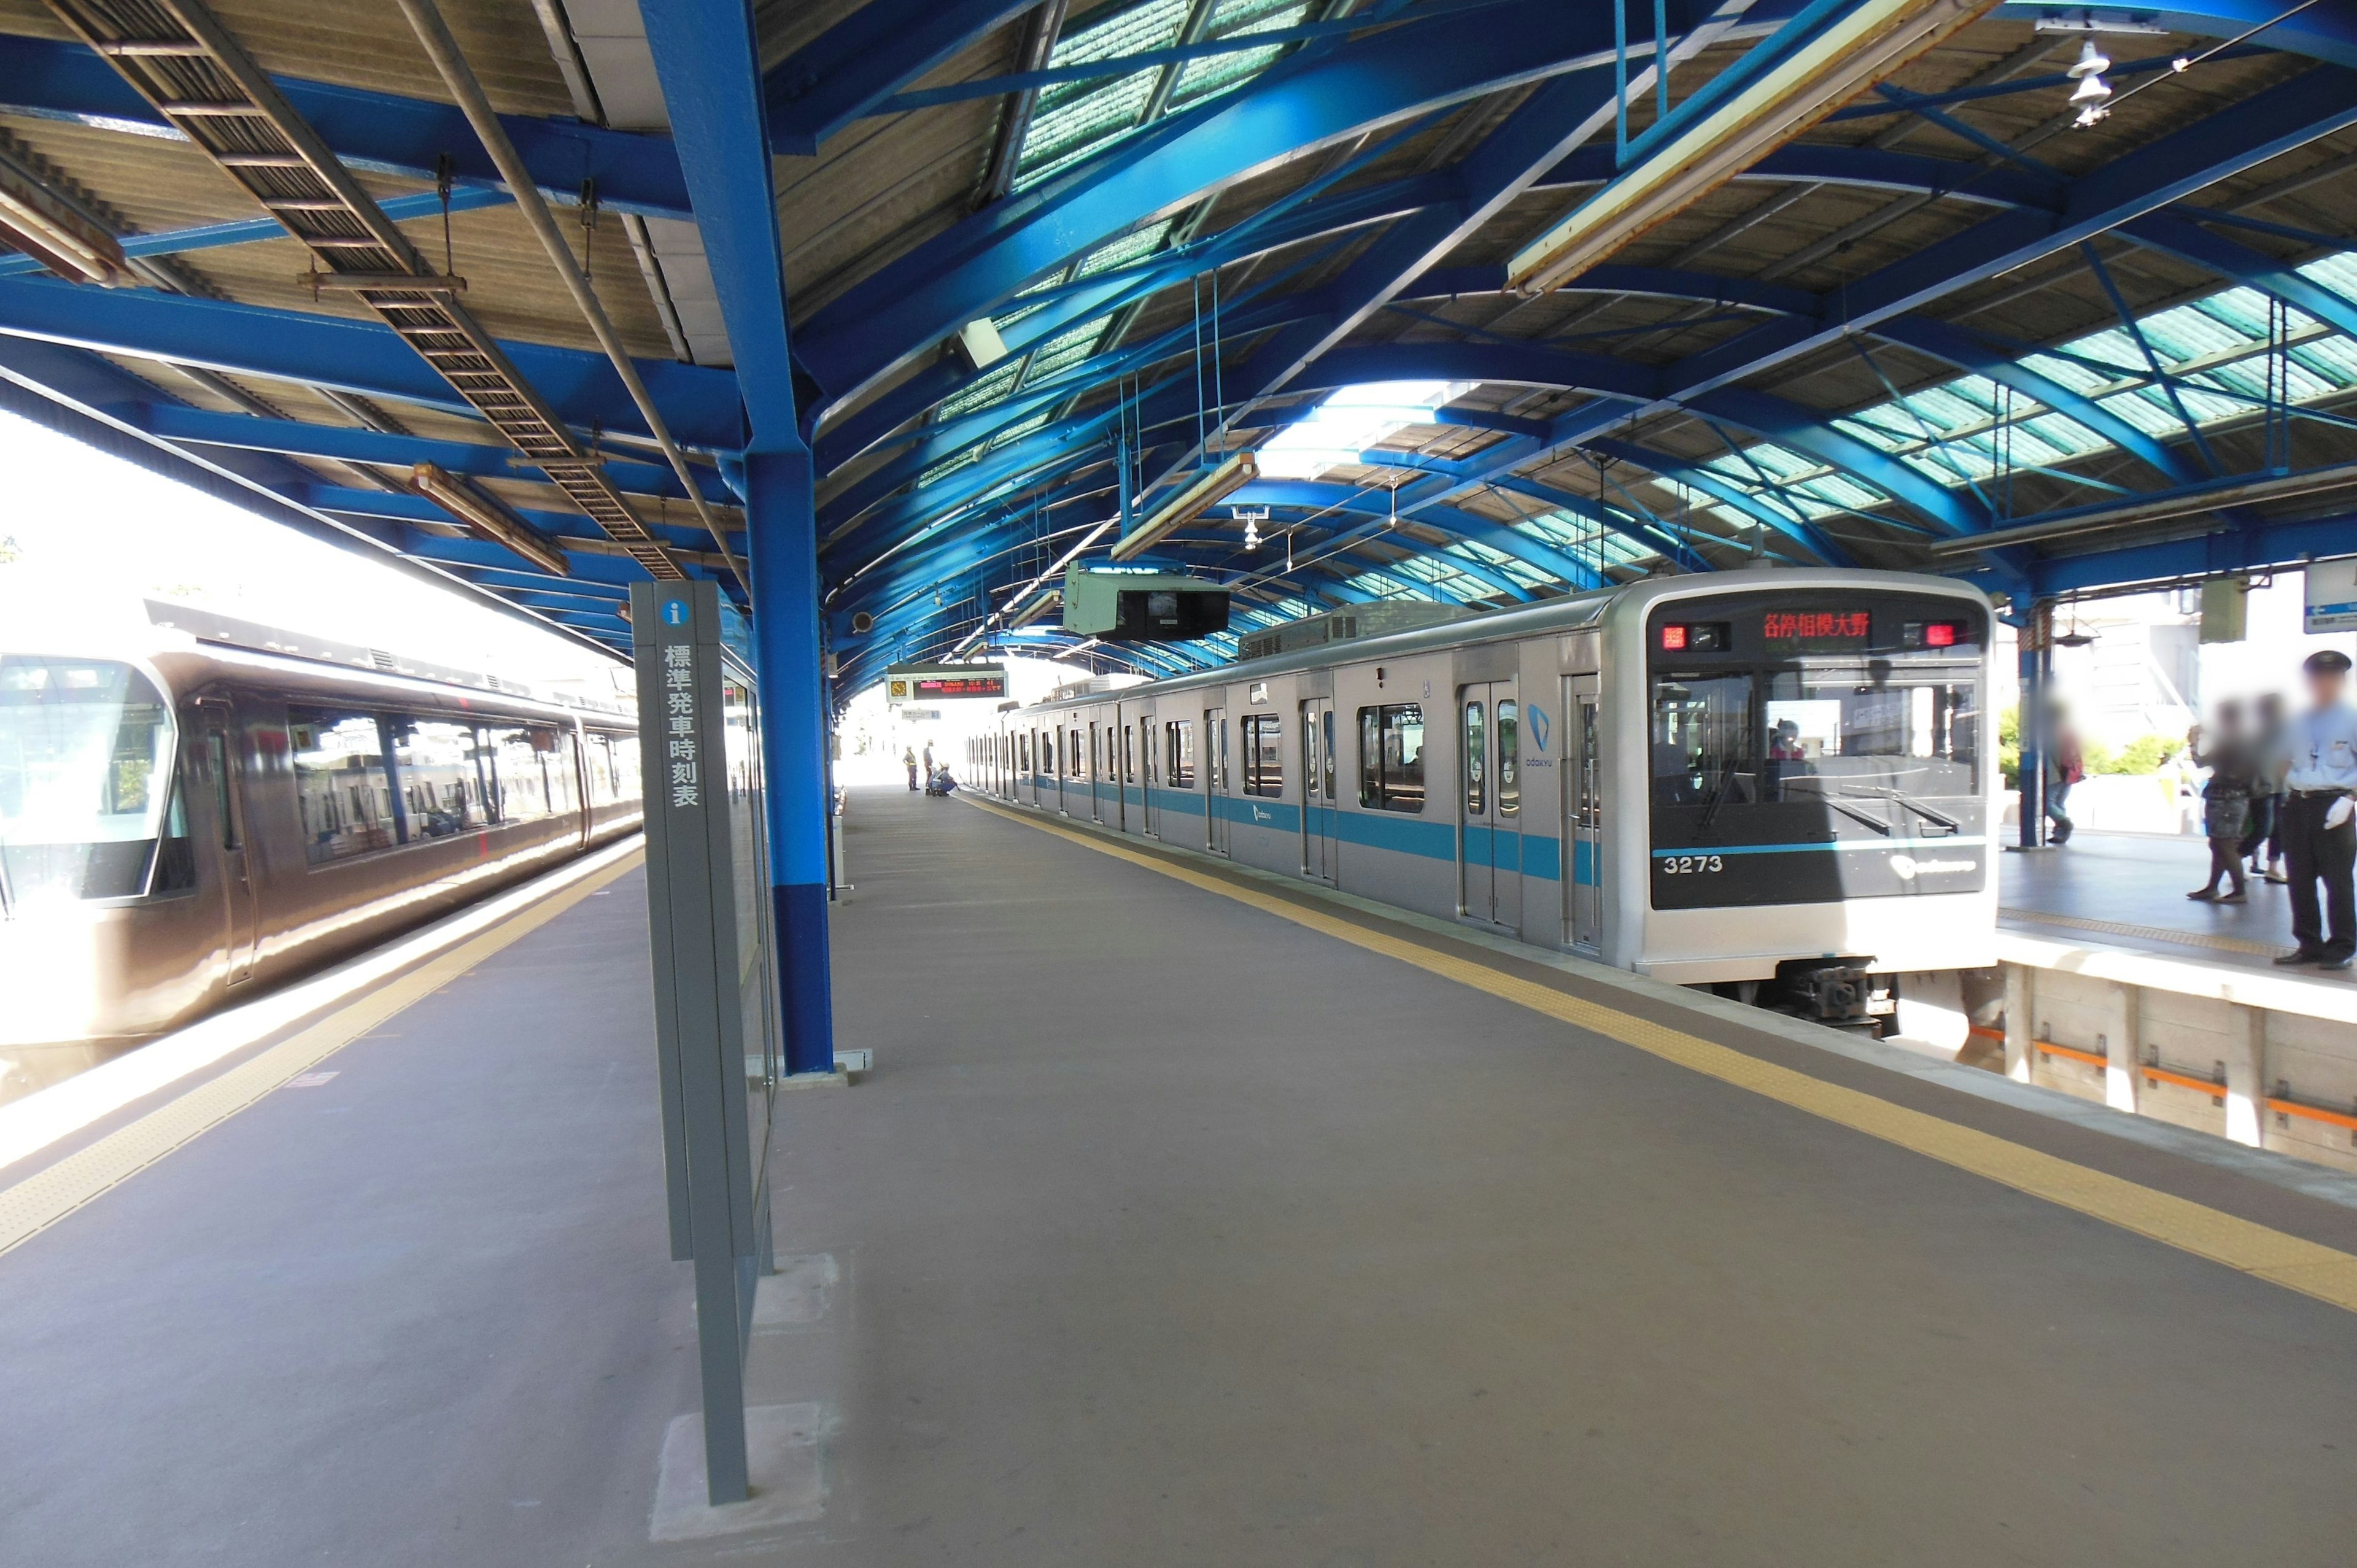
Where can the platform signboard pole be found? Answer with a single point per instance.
(714, 945)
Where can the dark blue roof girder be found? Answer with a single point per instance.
(1315, 98)
(376, 132)
(2254, 131)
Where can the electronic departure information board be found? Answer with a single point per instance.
(927, 682)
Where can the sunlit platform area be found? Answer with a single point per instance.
(1185, 1216)
(2129, 890)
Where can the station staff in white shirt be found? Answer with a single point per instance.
(2319, 817)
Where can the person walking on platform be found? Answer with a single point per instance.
(2319, 774)
(909, 759)
(2263, 847)
(2225, 799)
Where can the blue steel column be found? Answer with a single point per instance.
(2036, 666)
(705, 53)
(780, 515)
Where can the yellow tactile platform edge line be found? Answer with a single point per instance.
(2148, 933)
(50, 1194)
(2282, 1258)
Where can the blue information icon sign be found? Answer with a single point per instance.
(674, 612)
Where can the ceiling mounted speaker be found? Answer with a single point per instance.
(862, 623)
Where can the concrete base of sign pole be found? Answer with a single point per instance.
(783, 1444)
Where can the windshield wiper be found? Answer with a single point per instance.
(1914, 805)
(1857, 816)
(1719, 797)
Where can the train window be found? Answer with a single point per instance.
(1919, 736)
(1181, 763)
(524, 762)
(1263, 755)
(445, 777)
(1476, 760)
(1074, 753)
(343, 788)
(176, 852)
(1510, 770)
(85, 766)
(1390, 758)
(221, 762)
(624, 752)
(1702, 740)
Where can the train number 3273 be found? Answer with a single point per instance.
(1691, 864)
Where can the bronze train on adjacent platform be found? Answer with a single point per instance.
(1785, 776)
(183, 822)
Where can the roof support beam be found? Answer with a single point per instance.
(355, 356)
(376, 132)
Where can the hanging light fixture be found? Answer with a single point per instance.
(2092, 90)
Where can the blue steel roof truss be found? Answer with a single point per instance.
(1160, 108)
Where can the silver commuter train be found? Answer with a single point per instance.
(184, 822)
(1779, 777)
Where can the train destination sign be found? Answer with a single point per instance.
(936, 683)
(1817, 630)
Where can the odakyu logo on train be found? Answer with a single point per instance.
(1539, 727)
(1909, 868)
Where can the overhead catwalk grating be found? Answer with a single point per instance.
(180, 57)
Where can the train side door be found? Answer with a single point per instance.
(1583, 815)
(1319, 857)
(1096, 771)
(1149, 820)
(1490, 735)
(222, 758)
(1215, 779)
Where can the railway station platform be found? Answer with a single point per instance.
(1186, 1217)
(2115, 987)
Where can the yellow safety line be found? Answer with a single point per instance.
(2146, 933)
(49, 1195)
(2290, 1260)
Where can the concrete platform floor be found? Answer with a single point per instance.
(1166, 1231)
(2129, 890)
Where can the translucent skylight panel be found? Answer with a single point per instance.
(2064, 434)
(1134, 246)
(1384, 587)
(1952, 463)
(2245, 310)
(2188, 332)
(1072, 131)
(2112, 346)
(1350, 421)
(1884, 428)
(1841, 490)
(949, 464)
(2337, 272)
(996, 383)
(2146, 409)
(1019, 429)
(2070, 373)
(1063, 351)
(2334, 359)
(1152, 26)
(1200, 79)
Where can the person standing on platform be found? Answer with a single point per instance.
(2319, 838)
(2064, 766)
(908, 758)
(2264, 845)
(929, 759)
(2225, 799)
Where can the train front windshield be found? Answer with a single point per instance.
(1811, 747)
(85, 777)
